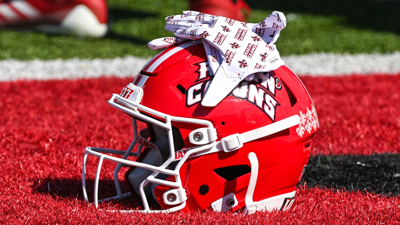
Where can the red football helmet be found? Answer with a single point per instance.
(248, 152)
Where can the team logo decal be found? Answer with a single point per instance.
(308, 122)
(195, 93)
(259, 93)
(202, 71)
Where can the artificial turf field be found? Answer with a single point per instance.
(47, 124)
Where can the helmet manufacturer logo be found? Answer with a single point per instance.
(287, 203)
(179, 154)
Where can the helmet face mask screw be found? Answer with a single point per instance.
(230, 202)
(204, 189)
(171, 197)
(198, 136)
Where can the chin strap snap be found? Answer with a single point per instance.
(232, 143)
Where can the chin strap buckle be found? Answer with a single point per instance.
(232, 143)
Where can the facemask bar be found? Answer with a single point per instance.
(98, 152)
(125, 155)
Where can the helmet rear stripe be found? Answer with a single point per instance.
(155, 63)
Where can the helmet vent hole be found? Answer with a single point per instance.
(292, 98)
(204, 189)
(181, 88)
(232, 172)
(222, 123)
(308, 144)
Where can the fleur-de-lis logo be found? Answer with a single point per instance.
(256, 38)
(234, 45)
(243, 64)
(205, 34)
(264, 56)
(279, 18)
(225, 28)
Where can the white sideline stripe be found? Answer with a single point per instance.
(329, 64)
(12, 69)
(314, 64)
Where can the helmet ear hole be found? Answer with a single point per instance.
(181, 89)
(232, 172)
(223, 123)
(204, 189)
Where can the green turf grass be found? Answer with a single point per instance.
(313, 26)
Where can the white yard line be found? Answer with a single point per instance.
(313, 64)
(330, 64)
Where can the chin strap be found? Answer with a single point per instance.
(236, 141)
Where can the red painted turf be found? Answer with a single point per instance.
(45, 126)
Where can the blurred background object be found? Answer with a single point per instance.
(234, 9)
(332, 26)
(82, 18)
